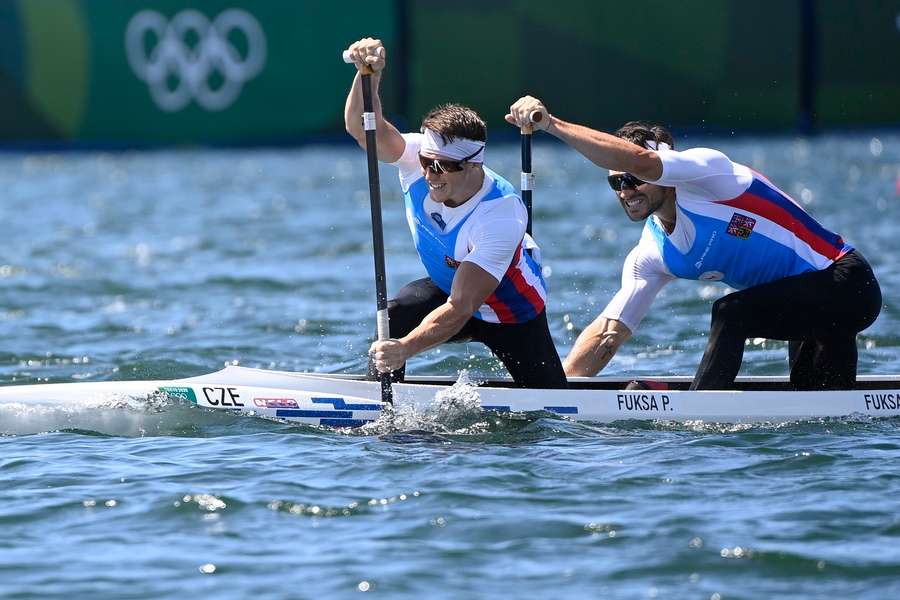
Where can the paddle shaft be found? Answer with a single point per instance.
(381, 318)
(527, 176)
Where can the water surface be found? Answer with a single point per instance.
(174, 263)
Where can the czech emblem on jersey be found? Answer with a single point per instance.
(452, 263)
(741, 226)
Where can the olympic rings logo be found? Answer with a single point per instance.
(161, 53)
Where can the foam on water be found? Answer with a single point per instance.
(454, 410)
(112, 414)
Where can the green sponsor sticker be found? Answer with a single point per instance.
(185, 393)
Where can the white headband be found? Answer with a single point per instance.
(651, 145)
(455, 149)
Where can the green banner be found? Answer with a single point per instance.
(169, 71)
(859, 67)
(130, 72)
(687, 63)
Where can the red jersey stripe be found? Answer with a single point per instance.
(764, 208)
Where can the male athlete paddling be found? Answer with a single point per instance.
(716, 220)
(484, 281)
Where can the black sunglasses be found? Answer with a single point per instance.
(621, 180)
(445, 165)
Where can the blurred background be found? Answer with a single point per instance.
(151, 72)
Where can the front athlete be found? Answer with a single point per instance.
(484, 279)
(716, 220)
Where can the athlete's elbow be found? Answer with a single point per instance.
(644, 164)
(461, 309)
(356, 132)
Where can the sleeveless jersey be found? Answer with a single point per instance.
(522, 292)
(732, 225)
(762, 235)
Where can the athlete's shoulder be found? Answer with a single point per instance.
(692, 163)
(501, 208)
(502, 185)
(706, 172)
(701, 154)
(413, 138)
(498, 195)
(408, 163)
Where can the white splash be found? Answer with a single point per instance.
(456, 409)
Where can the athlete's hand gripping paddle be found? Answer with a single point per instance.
(381, 318)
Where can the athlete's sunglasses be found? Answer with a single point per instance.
(445, 165)
(622, 180)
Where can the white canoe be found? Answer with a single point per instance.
(341, 400)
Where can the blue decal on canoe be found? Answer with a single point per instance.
(314, 414)
(496, 408)
(344, 422)
(339, 403)
(563, 410)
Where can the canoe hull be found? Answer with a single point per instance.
(340, 401)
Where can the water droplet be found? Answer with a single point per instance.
(876, 147)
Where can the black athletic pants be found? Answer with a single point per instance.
(819, 312)
(525, 349)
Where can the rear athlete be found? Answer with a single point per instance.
(484, 280)
(716, 220)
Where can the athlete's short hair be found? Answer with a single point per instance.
(455, 121)
(640, 132)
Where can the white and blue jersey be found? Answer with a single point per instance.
(732, 225)
(487, 230)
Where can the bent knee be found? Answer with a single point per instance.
(728, 310)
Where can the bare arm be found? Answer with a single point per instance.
(368, 54)
(471, 287)
(595, 347)
(602, 149)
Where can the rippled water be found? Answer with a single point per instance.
(170, 264)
